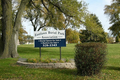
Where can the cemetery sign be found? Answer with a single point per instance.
(50, 38)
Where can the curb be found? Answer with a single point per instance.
(47, 65)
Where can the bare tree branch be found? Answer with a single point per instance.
(36, 6)
(59, 8)
(46, 8)
(44, 24)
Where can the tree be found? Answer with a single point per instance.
(72, 36)
(8, 42)
(55, 13)
(99, 38)
(0, 25)
(117, 38)
(0, 18)
(95, 18)
(94, 31)
(113, 12)
(85, 36)
(10, 31)
(88, 36)
(29, 39)
(22, 35)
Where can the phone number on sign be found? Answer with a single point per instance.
(46, 45)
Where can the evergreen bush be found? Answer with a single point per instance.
(117, 39)
(89, 58)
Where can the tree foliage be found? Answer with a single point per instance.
(22, 35)
(94, 31)
(117, 38)
(113, 11)
(55, 13)
(52, 12)
(92, 25)
(29, 39)
(72, 36)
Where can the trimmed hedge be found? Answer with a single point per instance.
(90, 57)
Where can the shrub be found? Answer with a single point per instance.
(110, 40)
(61, 61)
(32, 60)
(47, 60)
(67, 60)
(89, 58)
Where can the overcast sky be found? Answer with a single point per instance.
(94, 6)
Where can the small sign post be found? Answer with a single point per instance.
(40, 51)
(50, 39)
(60, 53)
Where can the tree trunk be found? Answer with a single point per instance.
(17, 24)
(1, 47)
(6, 27)
(10, 32)
(13, 45)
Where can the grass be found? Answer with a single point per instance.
(9, 70)
(27, 51)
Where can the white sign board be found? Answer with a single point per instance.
(49, 38)
(59, 34)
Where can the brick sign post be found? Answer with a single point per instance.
(50, 39)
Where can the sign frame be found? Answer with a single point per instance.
(56, 38)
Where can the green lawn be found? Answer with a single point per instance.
(27, 51)
(9, 70)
